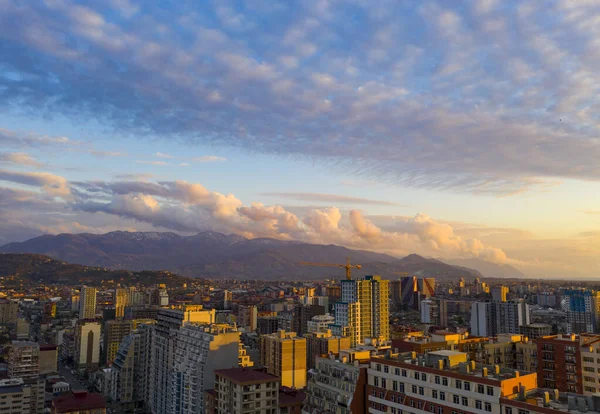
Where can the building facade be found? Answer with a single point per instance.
(87, 345)
(245, 391)
(284, 355)
(87, 302)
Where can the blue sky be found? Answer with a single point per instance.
(452, 129)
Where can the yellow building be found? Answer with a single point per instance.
(284, 355)
(323, 343)
(120, 300)
(502, 350)
(527, 356)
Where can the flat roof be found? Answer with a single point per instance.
(246, 375)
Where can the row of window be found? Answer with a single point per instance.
(462, 385)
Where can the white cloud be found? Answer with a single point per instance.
(19, 158)
(52, 184)
(160, 163)
(163, 155)
(209, 158)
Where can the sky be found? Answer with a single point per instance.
(451, 129)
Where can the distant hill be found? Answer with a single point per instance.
(24, 269)
(490, 270)
(216, 255)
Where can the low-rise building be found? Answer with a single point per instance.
(79, 402)
(243, 390)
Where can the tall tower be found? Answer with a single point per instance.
(499, 293)
(120, 300)
(87, 302)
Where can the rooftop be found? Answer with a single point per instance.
(290, 397)
(547, 400)
(78, 401)
(246, 376)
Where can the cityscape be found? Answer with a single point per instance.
(299, 207)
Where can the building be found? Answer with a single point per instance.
(304, 314)
(426, 286)
(120, 300)
(227, 299)
(440, 382)
(582, 306)
(20, 396)
(169, 322)
(79, 402)
(323, 343)
(320, 323)
(527, 359)
(24, 360)
(442, 311)
(559, 363)
(87, 345)
(87, 303)
(248, 317)
(536, 330)
(131, 369)
(159, 296)
(200, 350)
(114, 333)
(243, 390)
(430, 312)
(348, 321)
(590, 363)
(499, 293)
(493, 318)
(372, 295)
(268, 324)
(410, 292)
(290, 400)
(548, 401)
(9, 312)
(502, 350)
(48, 359)
(339, 387)
(284, 355)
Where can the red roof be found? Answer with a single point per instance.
(246, 375)
(47, 347)
(290, 397)
(78, 401)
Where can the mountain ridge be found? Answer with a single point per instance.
(217, 255)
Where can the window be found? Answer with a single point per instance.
(445, 382)
(508, 410)
(381, 394)
(454, 412)
(588, 369)
(442, 396)
(437, 379)
(465, 401)
(478, 404)
(386, 369)
(480, 389)
(488, 407)
(459, 384)
(395, 385)
(374, 393)
(397, 371)
(467, 385)
(421, 391)
(402, 387)
(414, 389)
(456, 399)
(404, 373)
(376, 381)
(434, 394)
(412, 403)
(393, 398)
(432, 408)
(423, 377)
(383, 383)
(378, 367)
(490, 390)
(440, 410)
(420, 405)
(416, 375)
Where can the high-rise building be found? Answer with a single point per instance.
(267, 324)
(324, 343)
(583, 310)
(24, 365)
(242, 390)
(9, 312)
(499, 293)
(120, 300)
(114, 333)
(348, 321)
(284, 355)
(443, 311)
(87, 303)
(559, 363)
(227, 299)
(430, 312)
(396, 293)
(200, 349)
(372, 294)
(320, 323)
(340, 387)
(493, 318)
(426, 286)
(536, 330)
(159, 296)
(590, 363)
(87, 345)
(169, 322)
(248, 317)
(410, 292)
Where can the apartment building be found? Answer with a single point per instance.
(489, 319)
(590, 363)
(527, 358)
(338, 384)
(87, 302)
(583, 310)
(87, 344)
(9, 312)
(559, 363)
(248, 317)
(245, 391)
(284, 355)
(502, 350)
(440, 382)
(20, 396)
(323, 343)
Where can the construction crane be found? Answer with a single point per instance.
(346, 266)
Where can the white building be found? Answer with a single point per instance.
(493, 318)
(87, 345)
(429, 312)
(200, 350)
(320, 323)
(87, 303)
(499, 293)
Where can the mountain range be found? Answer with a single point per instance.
(216, 255)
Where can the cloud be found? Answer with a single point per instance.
(19, 158)
(16, 139)
(161, 163)
(163, 155)
(329, 198)
(591, 212)
(184, 164)
(493, 113)
(102, 154)
(209, 158)
(135, 176)
(52, 184)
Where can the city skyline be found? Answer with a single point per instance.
(326, 122)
